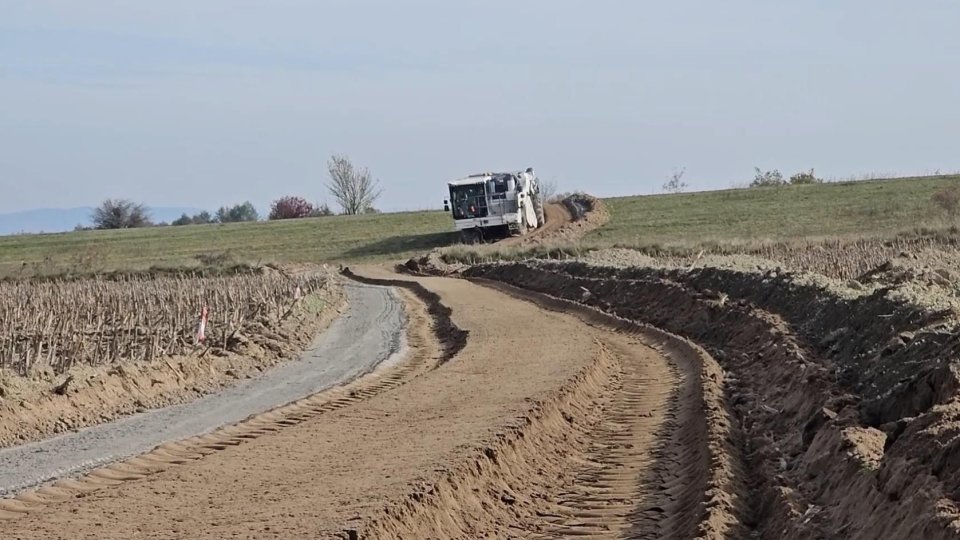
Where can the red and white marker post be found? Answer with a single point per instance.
(202, 327)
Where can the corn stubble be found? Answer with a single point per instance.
(59, 324)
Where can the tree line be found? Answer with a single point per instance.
(353, 188)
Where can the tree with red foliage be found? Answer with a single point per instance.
(290, 208)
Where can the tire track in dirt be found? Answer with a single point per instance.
(687, 483)
(424, 355)
(640, 442)
(603, 499)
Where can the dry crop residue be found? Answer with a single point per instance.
(549, 421)
(138, 349)
(847, 398)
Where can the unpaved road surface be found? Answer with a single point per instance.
(367, 334)
(547, 422)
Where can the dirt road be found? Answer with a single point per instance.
(548, 421)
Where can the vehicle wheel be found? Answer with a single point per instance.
(471, 236)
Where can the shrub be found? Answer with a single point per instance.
(322, 210)
(120, 214)
(198, 219)
(237, 213)
(769, 178)
(805, 178)
(291, 208)
(184, 219)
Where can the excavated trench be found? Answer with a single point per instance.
(847, 404)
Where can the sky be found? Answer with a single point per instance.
(202, 103)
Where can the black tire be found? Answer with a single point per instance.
(471, 236)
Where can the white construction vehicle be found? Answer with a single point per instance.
(495, 204)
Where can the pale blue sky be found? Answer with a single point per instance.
(206, 102)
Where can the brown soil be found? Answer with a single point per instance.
(31, 408)
(557, 215)
(566, 222)
(548, 421)
(847, 399)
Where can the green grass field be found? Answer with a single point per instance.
(869, 207)
(356, 238)
(778, 213)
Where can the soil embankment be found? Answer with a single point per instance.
(845, 396)
(566, 221)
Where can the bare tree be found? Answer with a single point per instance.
(548, 190)
(675, 183)
(120, 214)
(354, 188)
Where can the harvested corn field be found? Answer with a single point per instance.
(59, 324)
(83, 352)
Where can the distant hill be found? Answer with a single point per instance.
(50, 220)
